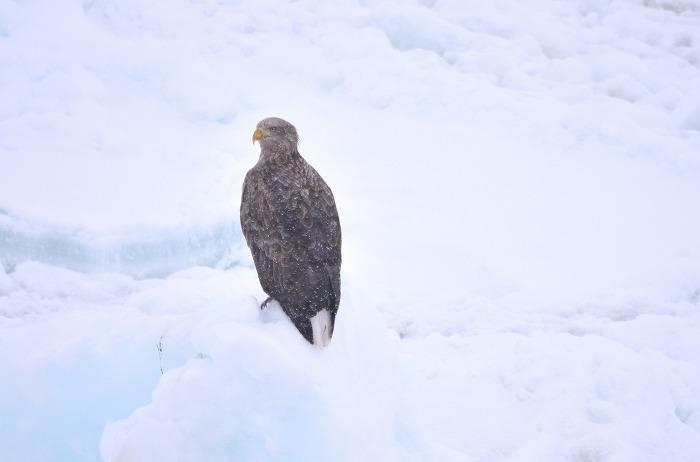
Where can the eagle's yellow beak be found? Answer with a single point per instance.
(258, 134)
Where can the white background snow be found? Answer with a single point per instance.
(518, 184)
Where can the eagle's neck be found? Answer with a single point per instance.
(271, 157)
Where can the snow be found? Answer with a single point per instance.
(517, 182)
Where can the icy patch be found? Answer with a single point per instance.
(80, 350)
(137, 252)
(676, 6)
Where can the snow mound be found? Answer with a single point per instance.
(262, 393)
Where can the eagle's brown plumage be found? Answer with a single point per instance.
(291, 225)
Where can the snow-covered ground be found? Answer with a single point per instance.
(519, 189)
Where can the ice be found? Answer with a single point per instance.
(518, 187)
(138, 251)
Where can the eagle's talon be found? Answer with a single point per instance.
(264, 304)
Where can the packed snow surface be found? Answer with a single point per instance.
(519, 189)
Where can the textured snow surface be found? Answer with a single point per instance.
(519, 189)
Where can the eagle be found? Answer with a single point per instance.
(291, 225)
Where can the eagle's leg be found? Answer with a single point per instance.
(264, 304)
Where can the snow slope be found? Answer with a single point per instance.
(518, 184)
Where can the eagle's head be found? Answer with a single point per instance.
(276, 135)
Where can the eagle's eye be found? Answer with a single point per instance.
(273, 129)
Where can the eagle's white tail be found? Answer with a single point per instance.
(321, 328)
